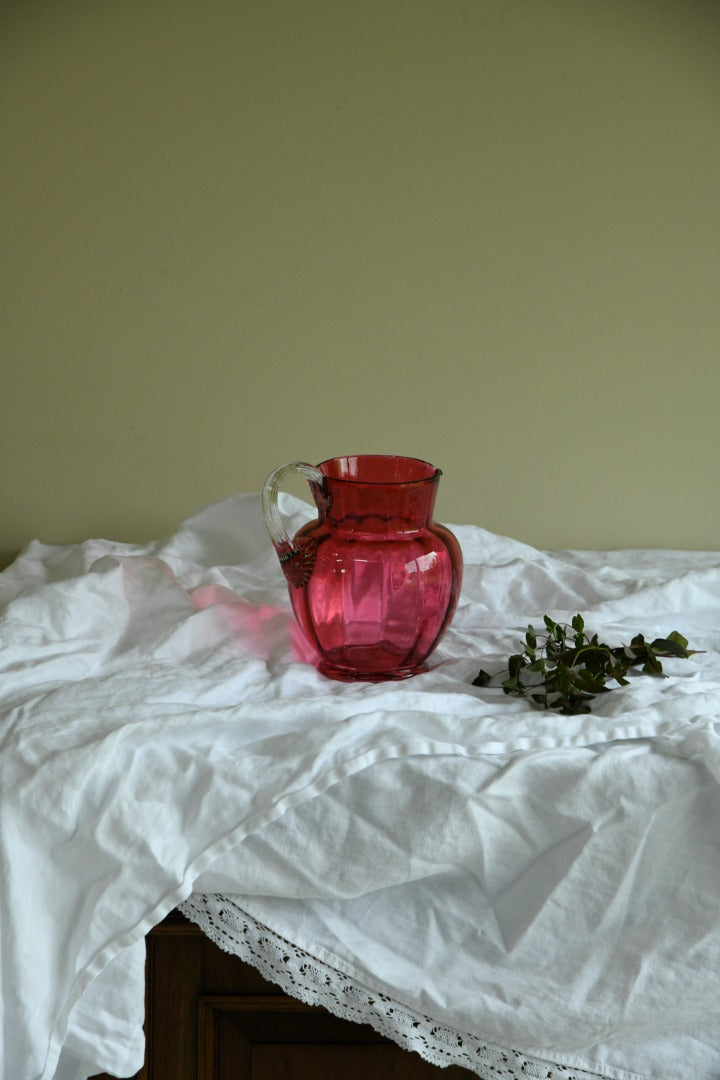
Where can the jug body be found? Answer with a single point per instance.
(374, 581)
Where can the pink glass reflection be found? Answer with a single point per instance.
(374, 582)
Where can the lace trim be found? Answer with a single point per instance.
(308, 979)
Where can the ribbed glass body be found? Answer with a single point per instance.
(374, 581)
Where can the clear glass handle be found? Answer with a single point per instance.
(271, 512)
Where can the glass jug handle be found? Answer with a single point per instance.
(273, 520)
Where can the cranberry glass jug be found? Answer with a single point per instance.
(374, 582)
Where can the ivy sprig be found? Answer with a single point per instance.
(566, 667)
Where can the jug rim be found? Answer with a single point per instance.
(378, 469)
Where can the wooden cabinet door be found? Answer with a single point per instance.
(274, 1037)
(209, 1016)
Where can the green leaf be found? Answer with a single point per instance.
(513, 686)
(515, 665)
(677, 639)
(588, 681)
(652, 665)
(673, 645)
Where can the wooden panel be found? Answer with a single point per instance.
(264, 1037)
(209, 1016)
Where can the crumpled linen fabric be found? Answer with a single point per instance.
(548, 883)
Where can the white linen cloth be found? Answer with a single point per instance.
(547, 883)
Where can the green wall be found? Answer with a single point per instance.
(483, 232)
